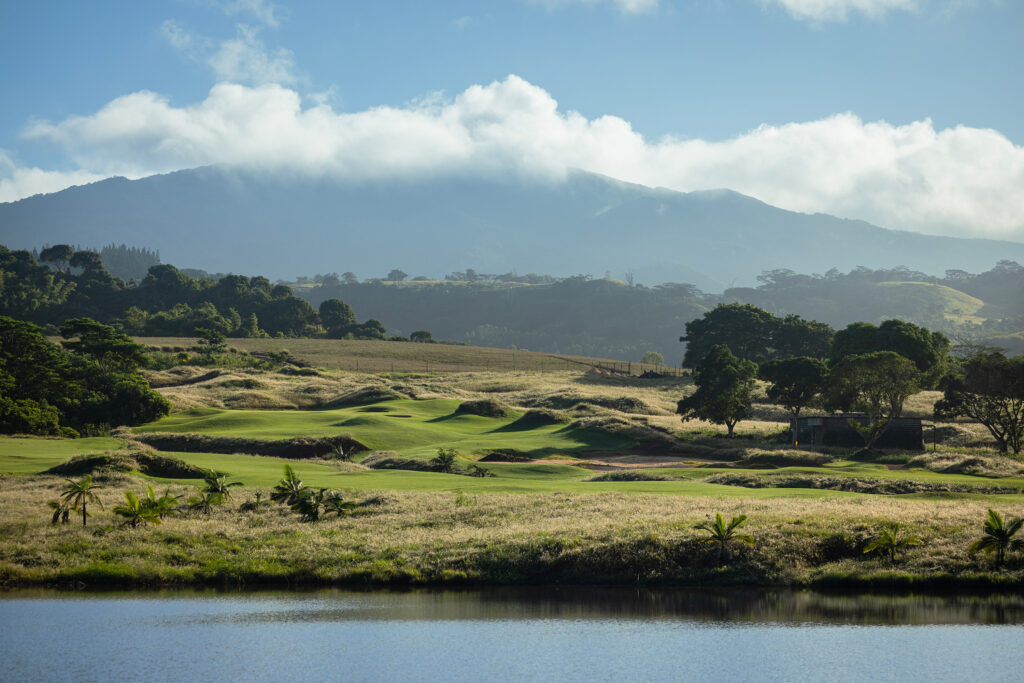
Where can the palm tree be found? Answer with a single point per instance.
(998, 537)
(164, 506)
(204, 502)
(60, 512)
(218, 483)
(253, 505)
(890, 541)
(721, 533)
(289, 489)
(78, 494)
(135, 511)
(444, 461)
(338, 505)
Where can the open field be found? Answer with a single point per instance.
(389, 356)
(592, 478)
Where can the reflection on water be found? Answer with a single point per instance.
(506, 634)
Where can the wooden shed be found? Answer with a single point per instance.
(904, 433)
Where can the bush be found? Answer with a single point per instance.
(484, 407)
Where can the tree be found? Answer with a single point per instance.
(218, 483)
(890, 541)
(211, 341)
(444, 461)
(88, 261)
(754, 334)
(61, 513)
(114, 351)
(78, 494)
(724, 386)
(337, 317)
(205, 501)
(349, 278)
(877, 384)
(136, 512)
(988, 388)
(721, 533)
(998, 537)
(397, 275)
(794, 382)
(928, 350)
(740, 326)
(653, 358)
(164, 506)
(422, 337)
(289, 489)
(58, 254)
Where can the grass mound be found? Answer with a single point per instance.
(132, 461)
(505, 455)
(957, 463)
(631, 475)
(389, 460)
(566, 400)
(483, 407)
(240, 383)
(532, 419)
(851, 484)
(283, 448)
(772, 459)
(363, 396)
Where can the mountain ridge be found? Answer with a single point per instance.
(281, 225)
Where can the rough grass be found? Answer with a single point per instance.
(449, 538)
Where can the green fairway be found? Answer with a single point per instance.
(30, 455)
(411, 428)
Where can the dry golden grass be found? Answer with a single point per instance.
(494, 538)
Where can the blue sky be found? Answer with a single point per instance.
(902, 112)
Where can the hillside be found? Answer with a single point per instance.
(280, 226)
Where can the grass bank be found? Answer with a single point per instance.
(439, 538)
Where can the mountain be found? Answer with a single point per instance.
(286, 225)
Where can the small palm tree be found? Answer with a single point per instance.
(289, 489)
(310, 504)
(477, 471)
(61, 513)
(217, 482)
(205, 501)
(335, 503)
(78, 494)
(253, 505)
(998, 537)
(721, 533)
(164, 506)
(135, 511)
(890, 541)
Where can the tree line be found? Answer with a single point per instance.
(867, 368)
(66, 284)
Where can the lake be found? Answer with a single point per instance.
(590, 634)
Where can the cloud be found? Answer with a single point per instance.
(242, 59)
(961, 181)
(245, 59)
(624, 6)
(17, 182)
(260, 10)
(839, 10)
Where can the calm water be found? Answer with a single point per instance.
(521, 635)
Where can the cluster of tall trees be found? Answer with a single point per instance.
(867, 368)
(864, 367)
(166, 302)
(88, 384)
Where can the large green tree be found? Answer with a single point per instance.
(928, 350)
(988, 388)
(754, 334)
(724, 386)
(794, 382)
(337, 317)
(877, 384)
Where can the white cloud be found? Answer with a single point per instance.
(18, 182)
(242, 59)
(839, 10)
(961, 180)
(624, 6)
(246, 59)
(262, 11)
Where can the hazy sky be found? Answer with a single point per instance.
(906, 113)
